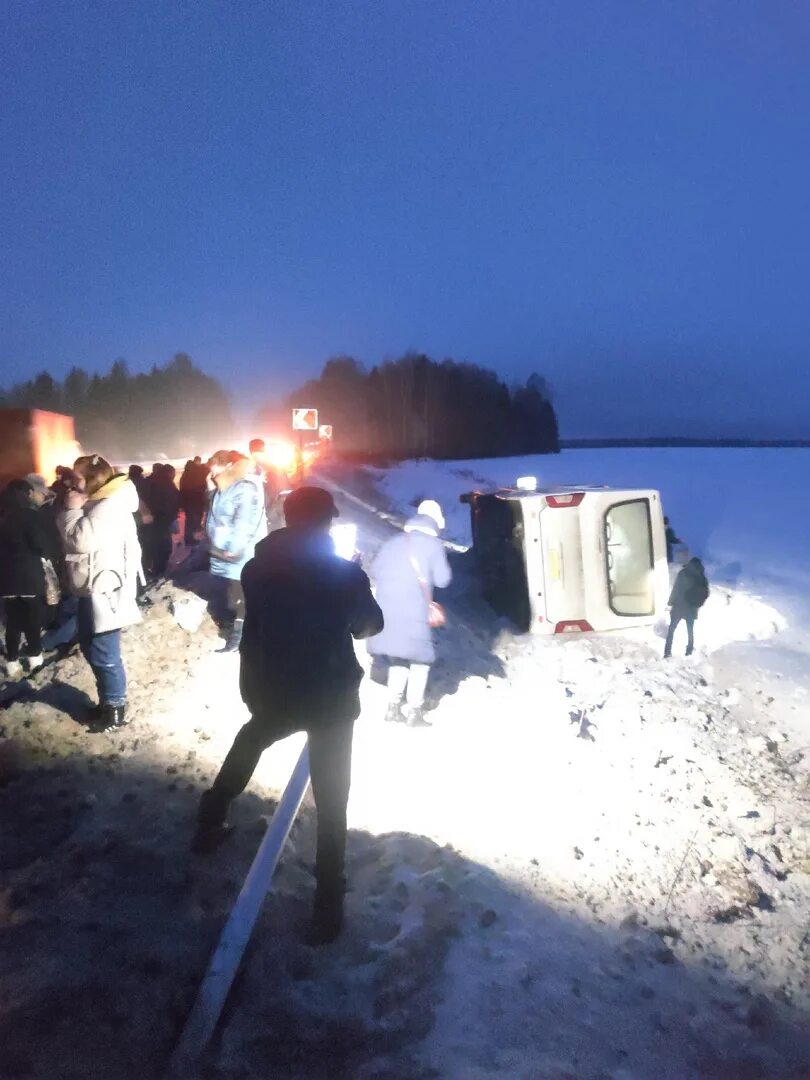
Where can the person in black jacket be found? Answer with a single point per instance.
(689, 593)
(25, 540)
(163, 502)
(193, 498)
(299, 672)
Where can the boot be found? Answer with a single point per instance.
(110, 717)
(327, 917)
(13, 669)
(234, 639)
(394, 713)
(35, 663)
(415, 718)
(211, 827)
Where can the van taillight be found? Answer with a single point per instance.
(573, 626)
(558, 502)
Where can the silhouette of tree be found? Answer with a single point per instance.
(417, 407)
(175, 410)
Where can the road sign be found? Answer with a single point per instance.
(325, 431)
(305, 419)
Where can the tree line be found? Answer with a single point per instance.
(417, 407)
(410, 407)
(176, 410)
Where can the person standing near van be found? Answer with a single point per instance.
(689, 593)
(102, 567)
(671, 540)
(405, 573)
(236, 523)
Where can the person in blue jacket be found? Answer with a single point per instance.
(236, 523)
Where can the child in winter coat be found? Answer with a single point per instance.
(689, 594)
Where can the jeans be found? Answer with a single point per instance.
(23, 617)
(103, 653)
(330, 763)
(690, 631)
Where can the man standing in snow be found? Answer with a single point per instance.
(303, 606)
(689, 594)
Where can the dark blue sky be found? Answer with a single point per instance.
(613, 193)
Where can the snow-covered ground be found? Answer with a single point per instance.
(746, 512)
(595, 865)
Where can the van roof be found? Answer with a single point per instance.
(560, 489)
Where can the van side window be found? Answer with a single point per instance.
(629, 558)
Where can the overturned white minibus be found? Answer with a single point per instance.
(563, 559)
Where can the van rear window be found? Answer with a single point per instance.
(629, 558)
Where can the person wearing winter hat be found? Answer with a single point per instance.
(303, 606)
(406, 571)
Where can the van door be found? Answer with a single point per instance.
(630, 558)
(561, 534)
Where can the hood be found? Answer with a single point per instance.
(240, 470)
(121, 489)
(695, 567)
(421, 523)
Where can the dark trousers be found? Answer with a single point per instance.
(330, 765)
(103, 653)
(194, 520)
(235, 598)
(690, 630)
(159, 548)
(24, 615)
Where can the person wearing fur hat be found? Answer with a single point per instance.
(235, 524)
(405, 572)
(299, 672)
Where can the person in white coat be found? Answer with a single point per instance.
(405, 572)
(102, 566)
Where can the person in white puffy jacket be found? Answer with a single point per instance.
(102, 565)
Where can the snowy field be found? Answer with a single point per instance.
(594, 866)
(746, 512)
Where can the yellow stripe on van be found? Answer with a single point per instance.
(554, 564)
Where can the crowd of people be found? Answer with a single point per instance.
(287, 601)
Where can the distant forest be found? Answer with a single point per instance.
(176, 410)
(410, 407)
(418, 407)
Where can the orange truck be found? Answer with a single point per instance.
(35, 441)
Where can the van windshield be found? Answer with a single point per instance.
(629, 556)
